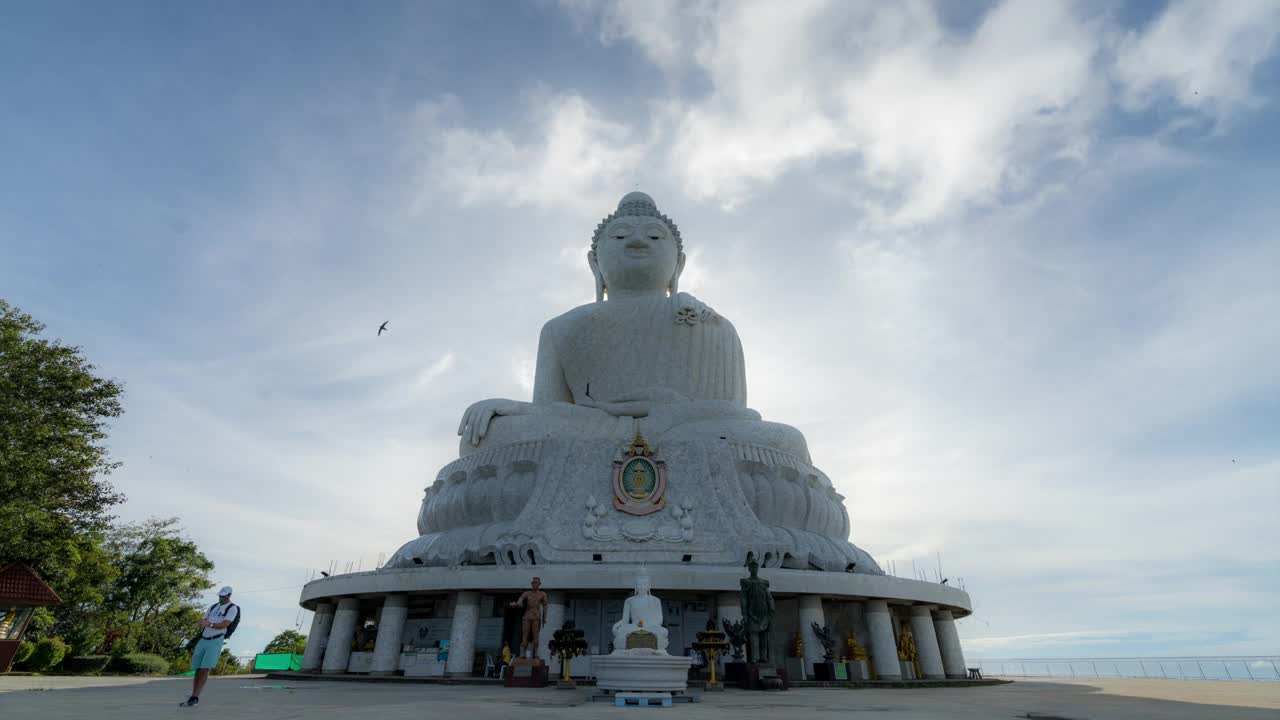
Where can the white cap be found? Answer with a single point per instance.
(225, 591)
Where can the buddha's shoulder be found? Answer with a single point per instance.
(610, 311)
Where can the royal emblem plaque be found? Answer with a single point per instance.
(639, 479)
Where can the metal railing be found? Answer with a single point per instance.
(1230, 667)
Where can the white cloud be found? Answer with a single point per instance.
(1201, 53)
(433, 372)
(572, 155)
(929, 121)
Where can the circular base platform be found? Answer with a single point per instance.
(622, 577)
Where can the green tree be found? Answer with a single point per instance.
(152, 601)
(289, 641)
(54, 499)
(228, 664)
(159, 569)
(147, 603)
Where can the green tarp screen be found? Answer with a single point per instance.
(277, 661)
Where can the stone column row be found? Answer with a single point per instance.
(332, 629)
(937, 642)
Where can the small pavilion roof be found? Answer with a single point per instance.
(20, 585)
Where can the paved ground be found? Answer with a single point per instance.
(53, 698)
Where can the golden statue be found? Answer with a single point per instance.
(856, 651)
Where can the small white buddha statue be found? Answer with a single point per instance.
(641, 612)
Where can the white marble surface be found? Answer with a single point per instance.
(811, 612)
(880, 644)
(926, 642)
(858, 670)
(642, 611)
(386, 649)
(643, 357)
(462, 633)
(338, 650)
(317, 636)
(949, 643)
(421, 665)
(360, 662)
(609, 576)
(532, 485)
(654, 673)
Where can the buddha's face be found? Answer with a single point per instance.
(642, 585)
(637, 254)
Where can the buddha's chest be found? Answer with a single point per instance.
(626, 349)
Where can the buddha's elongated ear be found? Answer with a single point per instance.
(673, 287)
(595, 270)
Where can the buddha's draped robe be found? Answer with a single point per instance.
(625, 346)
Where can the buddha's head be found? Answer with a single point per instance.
(642, 583)
(636, 250)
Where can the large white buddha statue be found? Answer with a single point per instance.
(643, 349)
(644, 368)
(641, 613)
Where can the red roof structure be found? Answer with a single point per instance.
(19, 585)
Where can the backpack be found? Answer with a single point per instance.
(230, 629)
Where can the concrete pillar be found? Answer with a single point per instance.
(386, 649)
(462, 633)
(949, 644)
(810, 613)
(926, 642)
(317, 637)
(884, 653)
(338, 652)
(555, 618)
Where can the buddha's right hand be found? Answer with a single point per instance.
(475, 421)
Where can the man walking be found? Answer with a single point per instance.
(214, 628)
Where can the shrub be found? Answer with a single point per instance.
(227, 664)
(47, 654)
(86, 664)
(181, 662)
(25, 649)
(139, 664)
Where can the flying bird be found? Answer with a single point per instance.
(382, 327)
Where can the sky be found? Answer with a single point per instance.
(1010, 267)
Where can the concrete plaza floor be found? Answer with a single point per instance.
(53, 698)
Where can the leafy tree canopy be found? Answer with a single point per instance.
(125, 587)
(54, 499)
(289, 641)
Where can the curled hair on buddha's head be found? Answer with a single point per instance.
(637, 204)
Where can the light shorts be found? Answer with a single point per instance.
(206, 654)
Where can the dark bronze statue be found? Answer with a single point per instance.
(757, 613)
(828, 641)
(737, 632)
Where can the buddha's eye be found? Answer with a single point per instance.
(655, 237)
